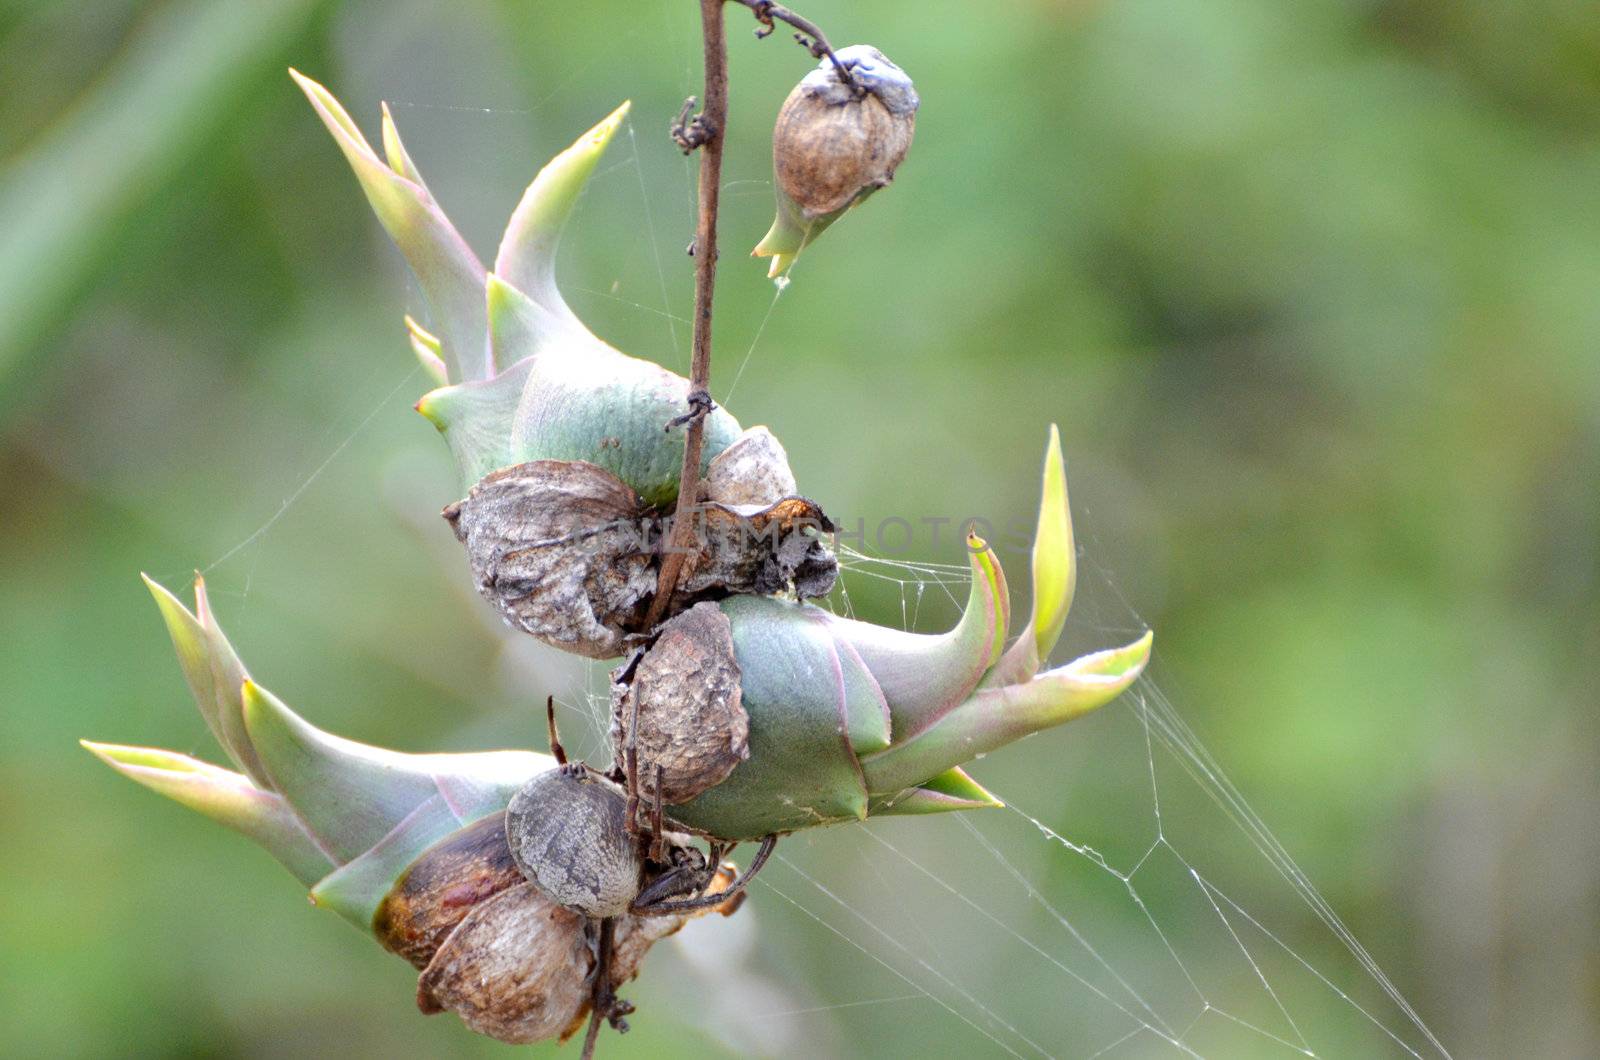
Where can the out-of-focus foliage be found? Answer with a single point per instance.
(1313, 290)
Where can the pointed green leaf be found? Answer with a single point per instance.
(791, 232)
(1055, 576)
(996, 716)
(351, 795)
(213, 672)
(476, 419)
(356, 890)
(348, 794)
(426, 346)
(449, 273)
(224, 796)
(520, 328)
(923, 676)
(950, 790)
(1055, 561)
(527, 255)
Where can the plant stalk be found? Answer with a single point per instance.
(713, 121)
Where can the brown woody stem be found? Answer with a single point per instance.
(714, 122)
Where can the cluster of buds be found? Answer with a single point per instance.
(525, 888)
(412, 848)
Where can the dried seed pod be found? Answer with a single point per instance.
(443, 886)
(557, 547)
(567, 552)
(514, 969)
(685, 693)
(761, 551)
(834, 141)
(568, 834)
(517, 968)
(834, 144)
(753, 470)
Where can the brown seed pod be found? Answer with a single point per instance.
(514, 969)
(833, 142)
(442, 887)
(567, 552)
(556, 547)
(685, 692)
(517, 968)
(746, 549)
(568, 835)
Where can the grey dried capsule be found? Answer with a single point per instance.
(685, 694)
(555, 547)
(568, 834)
(567, 552)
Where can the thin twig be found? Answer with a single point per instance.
(713, 122)
(766, 12)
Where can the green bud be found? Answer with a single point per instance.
(839, 719)
(522, 377)
(410, 847)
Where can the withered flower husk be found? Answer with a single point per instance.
(496, 950)
(684, 694)
(835, 141)
(567, 552)
(443, 886)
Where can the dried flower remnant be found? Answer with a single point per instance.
(564, 550)
(835, 143)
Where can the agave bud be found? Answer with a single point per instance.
(842, 719)
(552, 425)
(412, 848)
(835, 143)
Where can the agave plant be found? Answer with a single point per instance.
(525, 887)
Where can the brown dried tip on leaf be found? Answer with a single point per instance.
(833, 142)
(556, 547)
(517, 967)
(685, 691)
(442, 887)
(753, 470)
(568, 834)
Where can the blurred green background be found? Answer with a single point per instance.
(1313, 290)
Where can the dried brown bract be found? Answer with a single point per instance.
(556, 547)
(684, 693)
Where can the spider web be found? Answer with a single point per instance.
(1167, 919)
